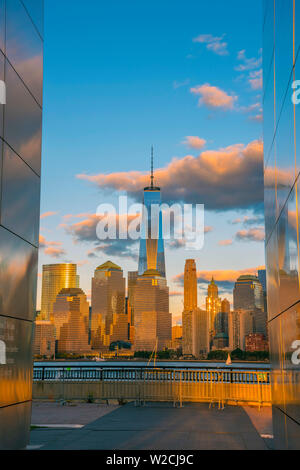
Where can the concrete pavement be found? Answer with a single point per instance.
(156, 426)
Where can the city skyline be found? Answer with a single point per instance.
(193, 119)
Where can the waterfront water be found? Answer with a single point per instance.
(173, 364)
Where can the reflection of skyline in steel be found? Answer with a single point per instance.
(152, 254)
(21, 67)
(281, 123)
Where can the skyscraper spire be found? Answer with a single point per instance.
(152, 171)
(152, 254)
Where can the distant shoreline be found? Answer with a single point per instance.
(213, 361)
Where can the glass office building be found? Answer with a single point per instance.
(281, 67)
(21, 69)
(152, 253)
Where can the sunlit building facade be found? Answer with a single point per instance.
(189, 346)
(213, 307)
(152, 319)
(44, 339)
(281, 67)
(131, 283)
(177, 337)
(194, 320)
(221, 338)
(109, 321)
(56, 277)
(21, 67)
(248, 293)
(71, 321)
(256, 342)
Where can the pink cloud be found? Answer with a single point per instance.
(48, 214)
(213, 43)
(226, 275)
(51, 248)
(221, 179)
(225, 242)
(194, 142)
(253, 234)
(175, 293)
(54, 252)
(256, 80)
(213, 97)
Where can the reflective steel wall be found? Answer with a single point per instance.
(281, 68)
(21, 68)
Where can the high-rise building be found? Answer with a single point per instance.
(221, 339)
(152, 319)
(234, 328)
(202, 333)
(262, 276)
(256, 342)
(71, 321)
(109, 321)
(190, 285)
(21, 70)
(213, 307)
(177, 337)
(189, 347)
(248, 299)
(55, 278)
(131, 283)
(152, 254)
(44, 339)
(248, 293)
(194, 320)
(243, 323)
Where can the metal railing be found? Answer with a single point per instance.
(153, 384)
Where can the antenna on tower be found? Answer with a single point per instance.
(152, 171)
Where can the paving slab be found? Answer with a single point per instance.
(72, 413)
(158, 426)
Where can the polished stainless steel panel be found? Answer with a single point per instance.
(273, 276)
(20, 197)
(1, 149)
(24, 47)
(286, 431)
(288, 255)
(22, 121)
(284, 331)
(16, 372)
(14, 426)
(2, 62)
(35, 9)
(283, 51)
(18, 276)
(270, 195)
(19, 211)
(282, 165)
(2, 25)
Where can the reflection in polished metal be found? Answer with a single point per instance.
(282, 164)
(21, 57)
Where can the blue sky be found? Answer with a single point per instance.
(122, 75)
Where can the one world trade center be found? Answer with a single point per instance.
(152, 254)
